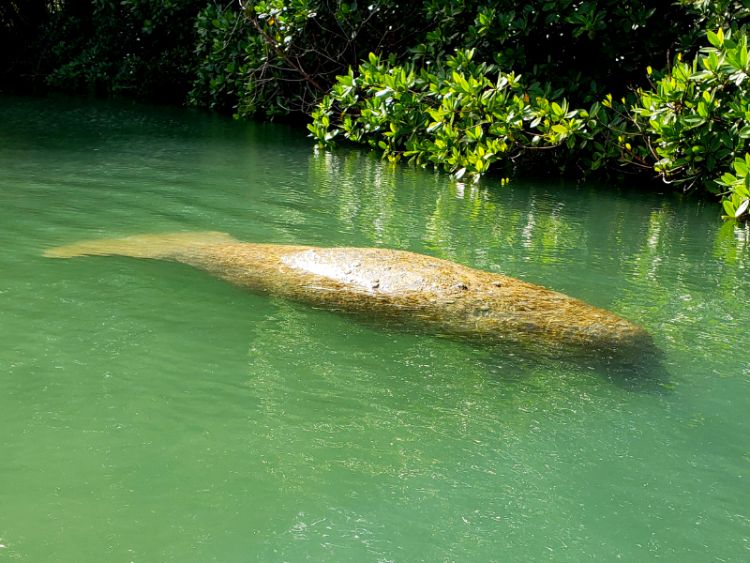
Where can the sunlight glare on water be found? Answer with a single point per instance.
(150, 412)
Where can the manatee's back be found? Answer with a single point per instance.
(452, 297)
(375, 270)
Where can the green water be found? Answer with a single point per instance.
(149, 412)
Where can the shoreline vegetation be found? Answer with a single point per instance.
(582, 88)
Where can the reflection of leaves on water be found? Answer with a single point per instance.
(414, 209)
(732, 241)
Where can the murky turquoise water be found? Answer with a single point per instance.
(149, 412)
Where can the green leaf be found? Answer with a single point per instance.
(461, 81)
(713, 38)
(728, 207)
(434, 126)
(694, 121)
(742, 208)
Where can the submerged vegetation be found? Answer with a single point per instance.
(578, 87)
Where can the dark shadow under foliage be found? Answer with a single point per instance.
(135, 48)
(277, 57)
(21, 23)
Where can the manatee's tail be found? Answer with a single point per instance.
(159, 246)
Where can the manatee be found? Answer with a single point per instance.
(443, 297)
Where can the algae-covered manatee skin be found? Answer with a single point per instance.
(440, 295)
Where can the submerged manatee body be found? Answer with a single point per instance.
(445, 297)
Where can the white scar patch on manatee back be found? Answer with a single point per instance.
(349, 268)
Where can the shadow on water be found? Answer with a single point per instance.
(641, 371)
(639, 368)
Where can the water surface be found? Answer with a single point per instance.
(149, 412)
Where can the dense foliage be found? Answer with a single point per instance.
(283, 55)
(577, 86)
(139, 48)
(462, 117)
(20, 25)
(279, 57)
(692, 126)
(689, 126)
